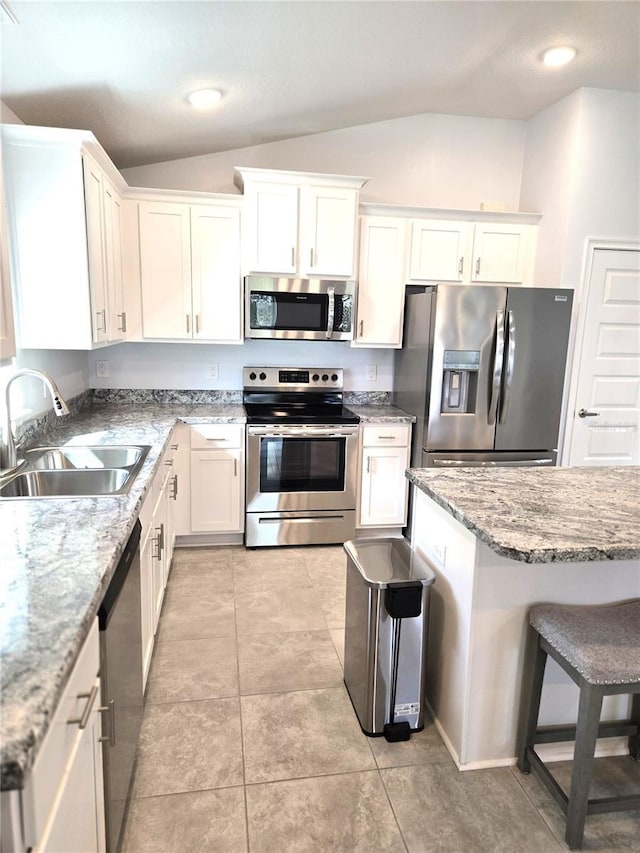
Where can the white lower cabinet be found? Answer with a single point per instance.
(217, 478)
(157, 542)
(384, 487)
(63, 798)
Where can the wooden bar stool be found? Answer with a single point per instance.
(599, 647)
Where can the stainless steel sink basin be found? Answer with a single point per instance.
(49, 484)
(55, 458)
(76, 471)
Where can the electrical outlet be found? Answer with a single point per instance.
(372, 372)
(102, 369)
(214, 372)
(440, 553)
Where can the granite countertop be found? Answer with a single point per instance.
(57, 559)
(543, 515)
(59, 555)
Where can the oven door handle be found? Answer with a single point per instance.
(331, 293)
(303, 432)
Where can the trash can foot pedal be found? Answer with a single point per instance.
(394, 732)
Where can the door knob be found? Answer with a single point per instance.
(583, 413)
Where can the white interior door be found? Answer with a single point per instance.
(606, 428)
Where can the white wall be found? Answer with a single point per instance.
(426, 160)
(187, 366)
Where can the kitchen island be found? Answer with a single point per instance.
(499, 541)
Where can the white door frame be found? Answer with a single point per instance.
(592, 244)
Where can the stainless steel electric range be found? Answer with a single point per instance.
(302, 445)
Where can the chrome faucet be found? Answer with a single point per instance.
(8, 453)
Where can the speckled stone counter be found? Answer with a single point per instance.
(57, 558)
(381, 414)
(543, 515)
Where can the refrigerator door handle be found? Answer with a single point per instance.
(511, 360)
(496, 381)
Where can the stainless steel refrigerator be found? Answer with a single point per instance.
(482, 369)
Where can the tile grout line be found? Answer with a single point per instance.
(244, 768)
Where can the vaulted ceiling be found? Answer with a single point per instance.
(123, 68)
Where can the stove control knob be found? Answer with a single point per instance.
(263, 376)
(315, 377)
(252, 376)
(324, 377)
(334, 377)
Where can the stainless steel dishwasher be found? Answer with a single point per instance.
(119, 619)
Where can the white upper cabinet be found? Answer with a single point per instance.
(440, 249)
(190, 271)
(297, 223)
(63, 211)
(381, 281)
(492, 252)
(7, 336)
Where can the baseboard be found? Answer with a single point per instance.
(204, 540)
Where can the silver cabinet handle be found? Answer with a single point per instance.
(293, 256)
(235, 467)
(386, 437)
(311, 264)
(368, 464)
(123, 321)
(168, 463)
(361, 327)
(174, 446)
(103, 327)
(478, 267)
(218, 439)
(188, 324)
(159, 539)
(174, 484)
(583, 413)
(460, 266)
(197, 323)
(83, 719)
(111, 710)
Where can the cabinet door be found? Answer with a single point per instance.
(112, 210)
(384, 487)
(158, 532)
(76, 820)
(271, 227)
(501, 253)
(215, 273)
(216, 491)
(165, 270)
(182, 473)
(381, 281)
(93, 191)
(440, 250)
(327, 231)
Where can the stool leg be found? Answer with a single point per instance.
(533, 677)
(634, 740)
(586, 735)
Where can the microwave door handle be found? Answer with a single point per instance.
(496, 380)
(331, 293)
(510, 364)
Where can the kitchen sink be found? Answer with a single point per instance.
(54, 458)
(71, 472)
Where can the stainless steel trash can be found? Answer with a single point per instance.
(385, 655)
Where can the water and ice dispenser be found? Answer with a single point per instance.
(460, 381)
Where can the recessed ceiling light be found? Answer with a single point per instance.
(204, 98)
(558, 55)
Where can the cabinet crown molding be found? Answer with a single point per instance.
(242, 174)
(400, 211)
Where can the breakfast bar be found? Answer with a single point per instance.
(499, 541)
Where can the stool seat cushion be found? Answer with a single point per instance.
(601, 641)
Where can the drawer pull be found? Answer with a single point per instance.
(82, 721)
(111, 710)
(386, 437)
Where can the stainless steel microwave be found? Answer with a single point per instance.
(299, 308)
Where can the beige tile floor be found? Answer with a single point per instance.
(249, 741)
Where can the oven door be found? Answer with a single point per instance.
(300, 468)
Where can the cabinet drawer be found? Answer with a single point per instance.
(386, 435)
(210, 436)
(56, 748)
